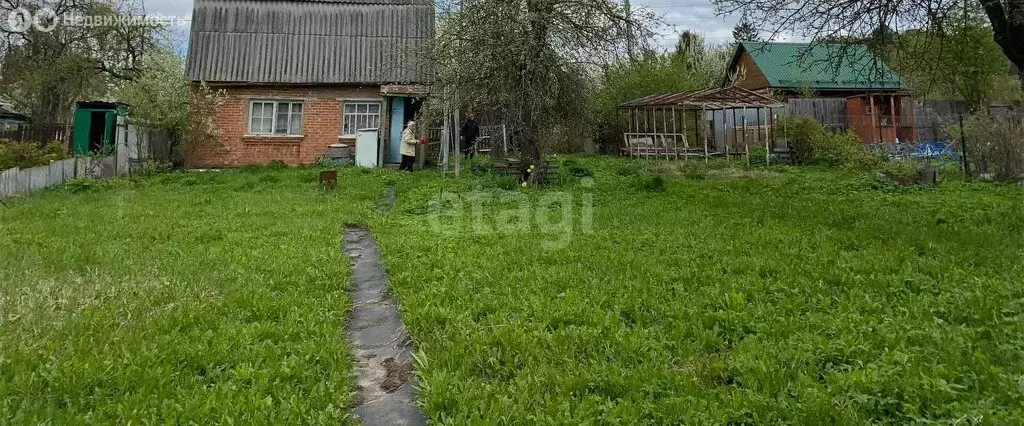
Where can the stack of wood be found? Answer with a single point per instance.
(542, 173)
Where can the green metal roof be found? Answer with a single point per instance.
(822, 66)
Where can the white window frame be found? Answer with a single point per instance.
(278, 103)
(357, 102)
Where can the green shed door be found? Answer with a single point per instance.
(80, 139)
(109, 131)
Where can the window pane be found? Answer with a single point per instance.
(361, 108)
(350, 108)
(296, 108)
(282, 119)
(295, 126)
(266, 110)
(375, 108)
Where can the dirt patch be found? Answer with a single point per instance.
(396, 374)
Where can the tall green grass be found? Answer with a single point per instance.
(777, 295)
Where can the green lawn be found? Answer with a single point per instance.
(780, 295)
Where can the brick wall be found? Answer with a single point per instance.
(321, 125)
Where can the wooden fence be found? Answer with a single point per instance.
(40, 133)
(22, 181)
(829, 112)
(133, 146)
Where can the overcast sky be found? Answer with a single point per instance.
(680, 15)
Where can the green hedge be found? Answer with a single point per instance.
(30, 154)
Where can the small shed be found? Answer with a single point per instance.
(707, 123)
(878, 106)
(10, 119)
(95, 126)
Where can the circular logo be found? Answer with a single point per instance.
(45, 20)
(19, 20)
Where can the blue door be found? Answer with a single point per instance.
(397, 125)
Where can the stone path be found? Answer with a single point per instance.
(383, 350)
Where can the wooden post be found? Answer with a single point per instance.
(767, 137)
(913, 119)
(745, 144)
(686, 142)
(744, 126)
(504, 139)
(630, 118)
(704, 115)
(675, 132)
(727, 159)
(747, 149)
(874, 117)
(892, 112)
(457, 128)
(757, 127)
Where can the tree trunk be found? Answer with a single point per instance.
(538, 11)
(1007, 18)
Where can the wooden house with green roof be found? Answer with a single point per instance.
(875, 97)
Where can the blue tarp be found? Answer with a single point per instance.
(935, 150)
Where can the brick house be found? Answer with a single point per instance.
(301, 75)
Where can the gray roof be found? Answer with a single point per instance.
(302, 41)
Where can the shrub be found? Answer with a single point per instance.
(898, 174)
(799, 132)
(837, 149)
(810, 143)
(30, 154)
(995, 144)
(153, 167)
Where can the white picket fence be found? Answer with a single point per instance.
(22, 181)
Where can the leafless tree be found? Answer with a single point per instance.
(528, 60)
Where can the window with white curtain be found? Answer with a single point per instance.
(357, 115)
(275, 118)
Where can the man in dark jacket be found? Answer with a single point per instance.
(470, 131)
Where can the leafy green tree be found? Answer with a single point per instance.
(45, 70)
(691, 66)
(159, 95)
(958, 60)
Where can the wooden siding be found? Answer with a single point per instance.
(752, 78)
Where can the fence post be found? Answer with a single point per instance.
(963, 148)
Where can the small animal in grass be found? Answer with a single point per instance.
(328, 179)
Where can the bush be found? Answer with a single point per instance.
(812, 144)
(995, 145)
(798, 132)
(30, 154)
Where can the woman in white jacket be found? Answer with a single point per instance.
(408, 146)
